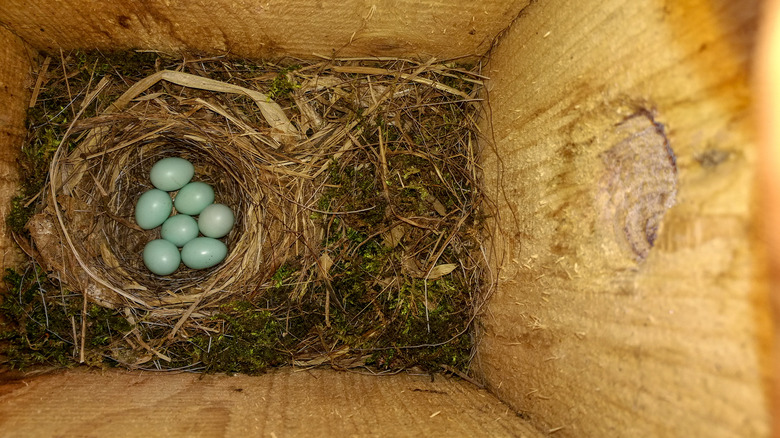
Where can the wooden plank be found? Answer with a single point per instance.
(767, 95)
(15, 86)
(632, 299)
(280, 404)
(272, 28)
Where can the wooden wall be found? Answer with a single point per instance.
(268, 28)
(632, 298)
(15, 86)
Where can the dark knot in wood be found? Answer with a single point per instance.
(639, 182)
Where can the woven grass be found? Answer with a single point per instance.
(359, 213)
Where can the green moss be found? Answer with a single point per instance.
(355, 189)
(282, 86)
(105, 325)
(252, 341)
(381, 309)
(121, 64)
(19, 215)
(432, 337)
(282, 275)
(31, 329)
(37, 322)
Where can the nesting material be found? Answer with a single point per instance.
(96, 185)
(358, 213)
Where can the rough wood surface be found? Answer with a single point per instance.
(273, 28)
(767, 96)
(632, 299)
(14, 95)
(283, 403)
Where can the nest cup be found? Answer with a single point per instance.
(103, 177)
(210, 167)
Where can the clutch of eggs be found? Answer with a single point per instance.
(180, 241)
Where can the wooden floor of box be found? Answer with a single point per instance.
(282, 403)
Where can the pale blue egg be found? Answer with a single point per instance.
(161, 257)
(179, 229)
(152, 209)
(172, 173)
(203, 252)
(193, 198)
(216, 221)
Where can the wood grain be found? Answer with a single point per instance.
(632, 297)
(284, 403)
(767, 92)
(269, 28)
(15, 84)
(639, 182)
(649, 319)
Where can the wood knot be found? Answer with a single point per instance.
(639, 183)
(123, 21)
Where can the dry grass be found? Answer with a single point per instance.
(358, 200)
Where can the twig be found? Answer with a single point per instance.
(411, 77)
(83, 325)
(383, 163)
(67, 82)
(39, 81)
(462, 375)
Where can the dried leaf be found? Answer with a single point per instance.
(325, 263)
(413, 267)
(394, 236)
(441, 270)
(437, 205)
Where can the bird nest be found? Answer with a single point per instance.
(358, 213)
(94, 188)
